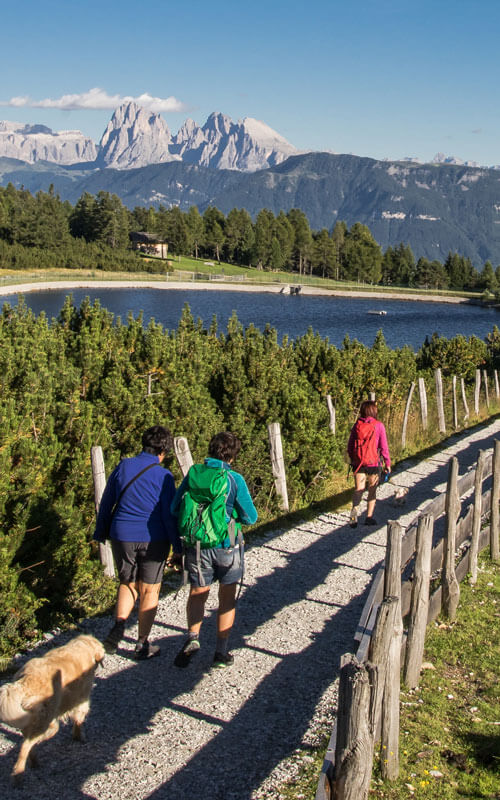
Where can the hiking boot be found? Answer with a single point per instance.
(114, 637)
(222, 660)
(146, 650)
(370, 521)
(186, 653)
(353, 519)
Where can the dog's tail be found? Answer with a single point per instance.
(11, 708)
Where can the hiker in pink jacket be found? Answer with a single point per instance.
(369, 455)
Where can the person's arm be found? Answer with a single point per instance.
(383, 447)
(168, 494)
(174, 505)
(108, 499)
(243, 503)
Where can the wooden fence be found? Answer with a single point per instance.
(368, 705)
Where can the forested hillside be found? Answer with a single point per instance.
(42, 231)
(82, 380)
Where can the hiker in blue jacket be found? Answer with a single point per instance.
(224, 563)
(135, 513)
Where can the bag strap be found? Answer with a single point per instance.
(131, 481)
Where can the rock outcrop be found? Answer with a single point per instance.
(33, 143)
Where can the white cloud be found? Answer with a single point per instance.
(98, 99)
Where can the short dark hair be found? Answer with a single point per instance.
(224, 446)
(157, 440)
(368, 409)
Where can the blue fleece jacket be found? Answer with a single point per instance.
(143, 514)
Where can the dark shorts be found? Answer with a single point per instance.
(140, 561)
(216, 564)
(369, 471)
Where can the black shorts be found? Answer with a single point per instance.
(368, 471)
(140, 561)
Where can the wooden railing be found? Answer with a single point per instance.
(368, 706)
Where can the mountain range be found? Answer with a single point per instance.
(135, 137)
(435, 208)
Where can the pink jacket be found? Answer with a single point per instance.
(381, 442)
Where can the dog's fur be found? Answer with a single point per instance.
(399, 498)
(48, 688)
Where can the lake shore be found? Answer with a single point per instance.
(236, 286)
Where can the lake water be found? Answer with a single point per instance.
(406, 322)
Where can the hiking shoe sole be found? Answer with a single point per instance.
(186, 653)
(222, 660)
(371, 521)
(145, 651)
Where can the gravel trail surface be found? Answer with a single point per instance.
(156, 731)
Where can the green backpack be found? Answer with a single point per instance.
(202, 511)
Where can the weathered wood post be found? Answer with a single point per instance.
(476, 516)
(486, 390)
(454, 401)
(354, 745)
(278, 463)
(331, 412)
(390, 708)
(495, 496)
(183, 454)
(372, 397)
(423, 402)
(99, 476)
(477, 389)
(497, 386)
(378, 654)
(419, 606)
(451, 587)
(407, 412)
(439, 400)
(464, 399)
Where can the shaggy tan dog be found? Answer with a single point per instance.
(56, 685)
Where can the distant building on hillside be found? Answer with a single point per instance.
(149, 243)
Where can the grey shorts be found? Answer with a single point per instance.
(140, 561)
(216, 564)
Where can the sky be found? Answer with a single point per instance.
(380, 78)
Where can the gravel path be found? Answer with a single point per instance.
(155, 731)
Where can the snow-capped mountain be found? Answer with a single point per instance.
(32, 143)
(135, 137)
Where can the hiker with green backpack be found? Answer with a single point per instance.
(211, 504)
(370, 460)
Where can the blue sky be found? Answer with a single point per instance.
(376, 78)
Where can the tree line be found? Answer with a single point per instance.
(42, 231)
(87, 379)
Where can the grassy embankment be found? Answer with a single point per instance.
(196, 269)
(450, 725)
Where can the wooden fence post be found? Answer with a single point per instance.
(464, 399)
(476, 516)
(454, 401)
(99, 476)
(183, 454)
(477, 389)
(423, 402)
(278, 463)
(407, 411)
(354, 745)
(372, 397)
(497, 387)
(419, 606)
(486, 390)
(331, 412)
(390, 708)
(451, 587)
(378, 654)
(439, 400)
(495, 496)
